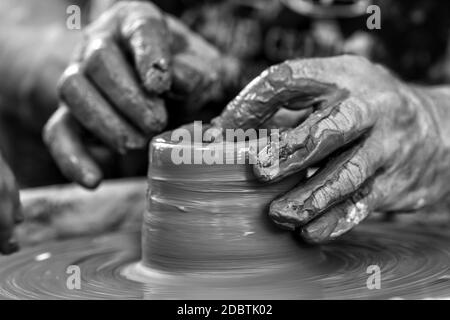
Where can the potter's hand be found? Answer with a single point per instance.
(131, 56)
(10, 213)
(68, 211)
(381, 144)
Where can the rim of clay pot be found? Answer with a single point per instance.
(242, 150)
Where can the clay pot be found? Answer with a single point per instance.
(203, 216)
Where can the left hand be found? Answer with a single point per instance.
(131, 61)
(69, 211)
(380, 144)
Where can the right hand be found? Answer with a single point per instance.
(381, 145)
(128, 58)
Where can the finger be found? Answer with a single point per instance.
(194, 58)
(317, 137)
(189, 77)
(10, 215)
(340, 219)
(202, 79)
(338, 180)
(61, 135)
(106, 66)
(8, 242)
(287, 118)
(96, 114)
(144, 31)
(276, 87)
(199, 69)
(10, 211)
(196, 81)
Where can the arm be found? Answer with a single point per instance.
(132, 62)
(35, 47)
(29, 68)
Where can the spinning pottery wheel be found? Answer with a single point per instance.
(206, 234)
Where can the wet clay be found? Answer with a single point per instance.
(206, 235)
(210, 216)
(414, 263)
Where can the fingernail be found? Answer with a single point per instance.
(283, 213)
(285, 225)
(91, 180)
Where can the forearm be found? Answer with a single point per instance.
(35, 48)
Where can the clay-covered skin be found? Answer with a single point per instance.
(10, 212)
(61, 212)
(211, 216)
(380, 144)
(129, 60)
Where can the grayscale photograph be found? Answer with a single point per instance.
(223, 151)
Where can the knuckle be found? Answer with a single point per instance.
(68, 79)
(358, 109)
(278, 73)
(138, 15)
(96, 50)
(353, 175)
(346, 121)
(330, 125)
(133, 26)
(147, 7)
(132, 6)
(349, 178)
(125, 8)
(349, 115)
(323, 196)
(107, 21)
